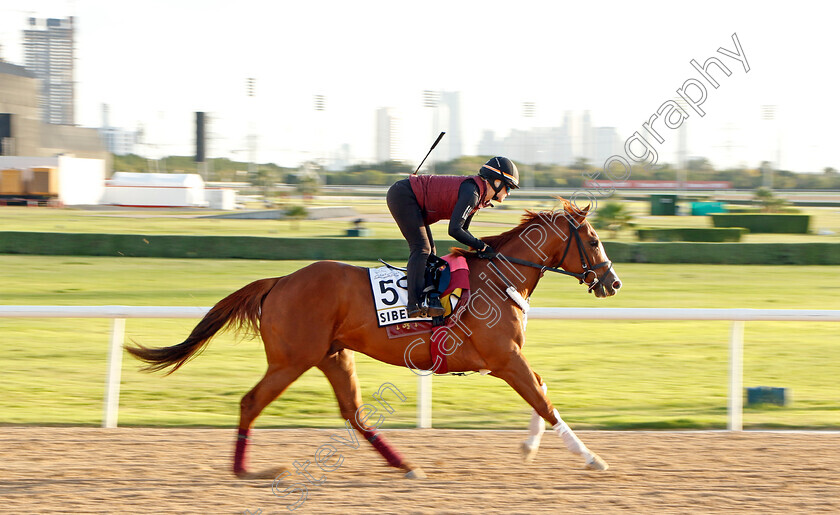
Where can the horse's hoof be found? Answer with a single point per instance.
(269, 473)
(596, 463)
(416, 473)
(528, 452)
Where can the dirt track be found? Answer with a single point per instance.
(47, 470)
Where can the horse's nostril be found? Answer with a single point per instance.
(616, 285)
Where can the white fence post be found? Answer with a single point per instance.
(424, 401)
(112, 382)
(736, 376)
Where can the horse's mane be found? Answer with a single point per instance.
(501, 239)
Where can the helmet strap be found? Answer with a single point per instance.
(497, 189)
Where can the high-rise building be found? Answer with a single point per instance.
(488, 145)
(450, 106)
(388, 135)
(587, 142)
(118, 141)
(573, 133)
(607, 144)
(49, 52)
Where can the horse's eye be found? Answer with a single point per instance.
(593, 243)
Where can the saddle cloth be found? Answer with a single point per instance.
(390, 293)
(390, 297)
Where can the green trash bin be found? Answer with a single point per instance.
(707, 208)
(768, 395)
(663, 205)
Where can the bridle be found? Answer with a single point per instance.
(589, 270)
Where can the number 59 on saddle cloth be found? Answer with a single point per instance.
(390, 293)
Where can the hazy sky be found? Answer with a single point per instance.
(155, 62)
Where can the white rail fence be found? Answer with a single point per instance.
(424, 402)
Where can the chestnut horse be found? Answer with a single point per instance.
(302, 329)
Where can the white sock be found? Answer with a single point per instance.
(535, 430)
(536, 427)
(571, 440)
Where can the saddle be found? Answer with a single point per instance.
(447, 278)
(438, 276)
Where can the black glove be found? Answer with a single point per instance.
(486, 253)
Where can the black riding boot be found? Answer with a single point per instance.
(416, 281)
(415, 310)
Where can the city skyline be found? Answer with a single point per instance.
(159, 63)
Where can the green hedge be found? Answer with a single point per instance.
(726, 253)
(757, 210)
(368, 249)
(691, 234)
(764, 222)
(215, 247)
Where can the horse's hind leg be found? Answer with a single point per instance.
(272, 385)
(340, 369)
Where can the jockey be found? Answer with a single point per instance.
(421, 200)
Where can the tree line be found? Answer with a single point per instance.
(540, 175)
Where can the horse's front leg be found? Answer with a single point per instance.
(518, 374)
(536, 427)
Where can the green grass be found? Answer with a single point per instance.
(487, 222)
(600, 374)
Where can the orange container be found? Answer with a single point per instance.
(11, 182)
(43, 181)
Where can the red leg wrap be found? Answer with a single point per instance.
(240, 456)
(393, 457)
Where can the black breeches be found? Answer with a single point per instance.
(406, 212)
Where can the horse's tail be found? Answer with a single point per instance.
(241, 309)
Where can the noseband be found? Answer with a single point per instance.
(589, 270)
(584, 261)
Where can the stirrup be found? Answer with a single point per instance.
(415, 310)
(433, 307)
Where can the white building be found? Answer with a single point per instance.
(450, 112)
(155, 190)
(587, 140)
(607, 144)
(118, 141)
(388, 129)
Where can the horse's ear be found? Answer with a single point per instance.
(583, 212)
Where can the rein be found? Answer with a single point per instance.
(584, 261)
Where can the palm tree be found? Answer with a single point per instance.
(612, 216)
(768, 201)
(295, 214)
